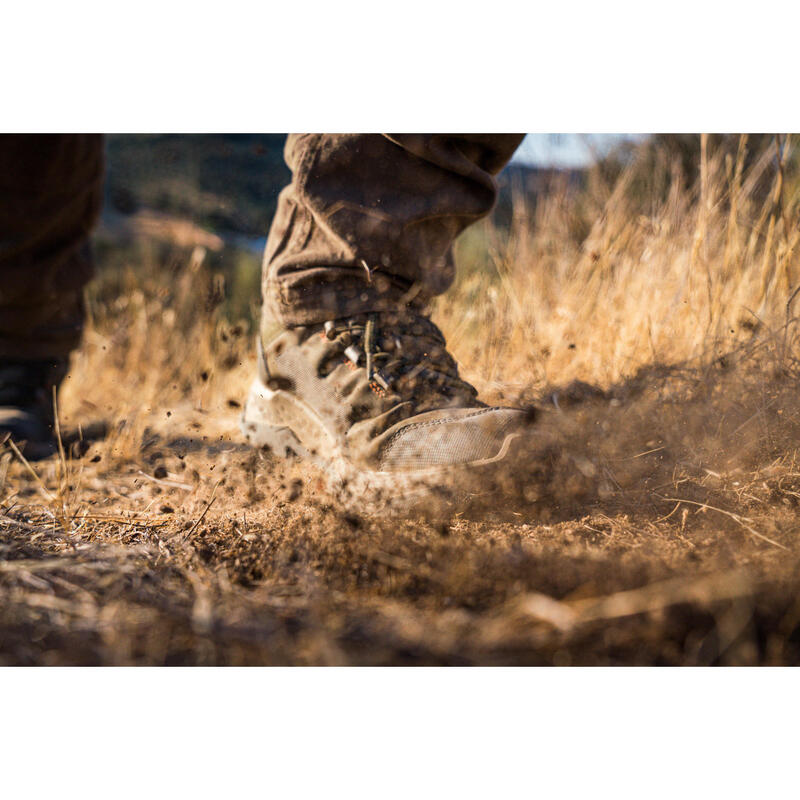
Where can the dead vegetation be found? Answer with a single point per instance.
(663, 349)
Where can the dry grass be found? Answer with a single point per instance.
(664, 346)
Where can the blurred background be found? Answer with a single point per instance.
(169, 193)
(219, 191)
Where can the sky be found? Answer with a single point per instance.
(566, 149)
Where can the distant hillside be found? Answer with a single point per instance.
(532, 183)
(222, 182)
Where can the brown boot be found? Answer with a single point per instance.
(377, 401)
(26, 404)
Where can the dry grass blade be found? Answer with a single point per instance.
(31, 471)
(704, 591)
(205, 511)
(743, 521)
(166, 482)
(565, 615)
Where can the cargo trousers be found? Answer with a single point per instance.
(367, 223)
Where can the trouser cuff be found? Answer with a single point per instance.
(325, 293)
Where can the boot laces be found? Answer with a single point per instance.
(404, 355)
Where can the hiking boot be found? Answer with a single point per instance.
(26, 404)
(377, 402)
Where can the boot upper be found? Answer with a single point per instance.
(385, 391)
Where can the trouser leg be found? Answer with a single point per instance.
(369, 220)
(50, 198)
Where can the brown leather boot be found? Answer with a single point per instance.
(377, 401)
(26, 404)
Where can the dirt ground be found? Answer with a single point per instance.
(198, 550)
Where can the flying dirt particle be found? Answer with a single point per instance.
(295, 490)
(234, 403)
(204, 375)
(278, 382)
(160, 472)
(95, 459)
(748, 324)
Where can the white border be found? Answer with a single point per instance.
(399, 733)
(574, 66)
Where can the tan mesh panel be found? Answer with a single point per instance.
(451, 440)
